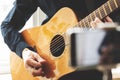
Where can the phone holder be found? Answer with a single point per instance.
(97, 47)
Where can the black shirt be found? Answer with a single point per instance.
(23, 9)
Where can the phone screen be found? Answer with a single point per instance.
(84, 48)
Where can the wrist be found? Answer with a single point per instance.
(25, 53)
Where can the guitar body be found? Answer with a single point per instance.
(47, 41)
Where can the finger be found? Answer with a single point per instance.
(92, 23)
(107, 49)
(32, 63)
(108, 19)
(97, 20)
(38, 72)
(38, 58)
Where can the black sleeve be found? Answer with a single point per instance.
(115, 16)
(14, 21)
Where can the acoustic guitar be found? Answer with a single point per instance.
(53, 44)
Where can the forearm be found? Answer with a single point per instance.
(13, 39)
(15, 20)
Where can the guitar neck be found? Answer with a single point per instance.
(100, 12)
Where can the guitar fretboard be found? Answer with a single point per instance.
(100, 12)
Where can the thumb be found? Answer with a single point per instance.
(39, 58)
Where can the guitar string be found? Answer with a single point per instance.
(61, 45)
(78, 25)
(54, 50)
(86, 20)
(58, 39)
(55, 41)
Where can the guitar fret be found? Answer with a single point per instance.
(94, 14)
(99, 13)
(113, 6)
(104, 10)
(100, 16)
(79, 24)
(87, 21)
(82, 23)
(109, 6)
(115, 3)
(90, 17)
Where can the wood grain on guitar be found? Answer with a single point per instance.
(51, 43)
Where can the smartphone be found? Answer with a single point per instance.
(84, 48)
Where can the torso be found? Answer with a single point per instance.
(81, 7)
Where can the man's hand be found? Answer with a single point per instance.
(97, 21)
(33, 62)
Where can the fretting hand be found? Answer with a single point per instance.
(97, 21)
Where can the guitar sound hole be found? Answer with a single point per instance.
(57, 45)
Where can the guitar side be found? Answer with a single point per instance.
(40, 37)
